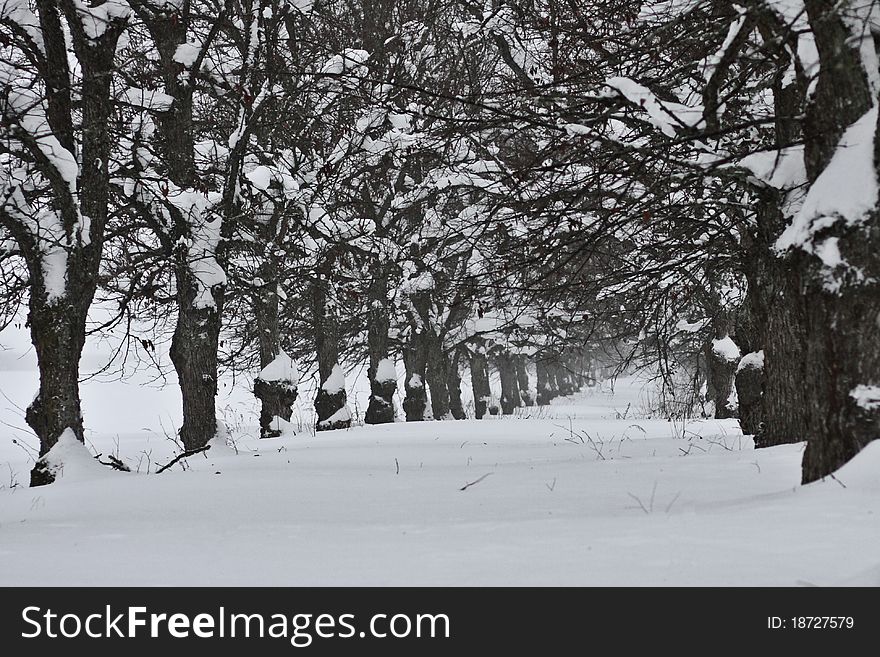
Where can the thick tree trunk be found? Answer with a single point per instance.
(720, 367)
(380, 409)
(510, 397)
(843, 358)
(480, 379)
(453, 384)
(415, 360)
(562, 375)
(522, 379)
(784, 401)
(194, 355)
(58, 324)
(749, 381)
(546, 379)
(58, 335)
(331, 400)
(842, 361)
(437, 376)
(276, 398)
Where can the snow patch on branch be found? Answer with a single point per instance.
(781, 169)
(751, 361)
(666, 116)
(846, 190)
(95, 20)
(20, 13)
(867, 397)
(725, 348)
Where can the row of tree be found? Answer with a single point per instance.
(688, 186)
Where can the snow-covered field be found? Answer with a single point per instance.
(572, 494)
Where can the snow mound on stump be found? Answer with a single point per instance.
(335, 382)
(342, 415)
(69, 459)
(282, 369)
(385, 371)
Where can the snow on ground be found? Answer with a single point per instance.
(583, 492)
(579, 493)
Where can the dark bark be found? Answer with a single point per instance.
(562, 373)
(58, 335)
(510, 397)
(720, 369)
(58, 325)
(841, 327)
(327, 335)
(546, 379)
(437, 376)
(749, 382)
(480, 378)
(415, 360)
(522, 379)
(842, 93)
(194, 355)
(380, 409)
(453, 384)
(276, 400)
(276, 397)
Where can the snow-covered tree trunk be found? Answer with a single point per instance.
(722, 356)
(194, 355)
(415, 359)
(480, 378)
(522, 379)
(437, 376)
(453, 385)
(383, 379)
(276, 396)
(58, 335)
(510, 397)
(842, 274)
(331, 399)
(546, 380)
(63, 248)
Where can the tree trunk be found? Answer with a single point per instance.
(276, 398)
(415, 360)
(547, 389)
(749, 381)
(510, 398)
(58, 324)
(380, 410)
(841, 304)
(843, 358)
(562, 375)
(58, 335)
(480, 378)
(453, 385)
(720, 367)
(437, 377)
(194, 355)
(522, 378)
(331, 400)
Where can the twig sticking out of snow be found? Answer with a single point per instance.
(475, 482)
(183, 455)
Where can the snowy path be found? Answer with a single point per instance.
(335, 510)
